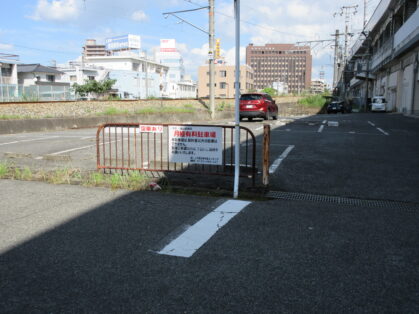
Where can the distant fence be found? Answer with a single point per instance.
(35, 93)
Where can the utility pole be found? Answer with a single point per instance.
(146, 75)
(365, 14)
(211, 58)
(346, 10)
(335, 62)
(210, 32)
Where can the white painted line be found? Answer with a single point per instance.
(324, 121)
(35, 139)
(80, 148)
(259, 128)
(288, 130)
(332, 123)
(382, 131)
(197, 235)
(371, 123)
(70, 150)
(87, 137)
(320, 128)
(352, 132)
(277, 162)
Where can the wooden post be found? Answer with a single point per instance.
(266, 146)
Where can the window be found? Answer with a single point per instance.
(51, 78)
(91, 78)
(223, 73)
(73, 78)
(223, 85)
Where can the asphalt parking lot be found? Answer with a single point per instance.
(368, 156)
(73, 249)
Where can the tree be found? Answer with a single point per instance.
(270, 91)
(94, 87)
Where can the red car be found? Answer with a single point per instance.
(258, 105)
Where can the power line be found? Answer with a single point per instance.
(39, 49)
(249, 22)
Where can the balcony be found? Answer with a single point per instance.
(407, 34)
(382, 55)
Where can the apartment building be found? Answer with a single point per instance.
(384, 60)
(318, 86)
(286, 63)
(224, 80)
(93, 49)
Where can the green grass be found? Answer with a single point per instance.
(4, 169)
(11, 117)
(313, 101)
(223, 106)
(113, 111)
(152, 110)
(131, 180)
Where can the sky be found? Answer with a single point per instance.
(54, 31)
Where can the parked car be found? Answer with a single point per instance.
(335, 107)
(258, 105)
(379, 103)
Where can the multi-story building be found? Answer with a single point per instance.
(384, 60)
(79, 72)
(224, 80)
(318, 86)
(43, 83)
(8, 76)
(92, 49)
(136, 76)
(176, 86)
(286, 63)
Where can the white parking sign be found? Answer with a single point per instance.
(195, 145)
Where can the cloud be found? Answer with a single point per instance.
(6, 46)
(139, 16)
(56, 10)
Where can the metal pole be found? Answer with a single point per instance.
(266, 145)
(237, 102)
(211, 58)
(365, 14)
(146, 75)
(335, 64)
(366, 86)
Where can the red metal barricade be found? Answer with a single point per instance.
(145, 147)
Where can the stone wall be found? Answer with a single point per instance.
(95, 108)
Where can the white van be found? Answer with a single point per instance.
(379, 103)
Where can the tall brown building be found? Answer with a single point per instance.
(285, 63)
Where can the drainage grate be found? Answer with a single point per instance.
(292, 196)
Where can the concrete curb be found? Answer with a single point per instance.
(55, 124)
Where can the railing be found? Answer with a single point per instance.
(408, 31)
(197, 149)
(381, 55)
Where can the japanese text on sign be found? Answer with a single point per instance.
(151, 128)
(195, 145)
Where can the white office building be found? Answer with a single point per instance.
(177, 85)
(136, 77)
